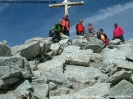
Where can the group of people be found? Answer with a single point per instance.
(63, 27)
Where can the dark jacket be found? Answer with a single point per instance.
(106, 39)
(99, 37)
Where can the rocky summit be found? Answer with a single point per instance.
(71, 69)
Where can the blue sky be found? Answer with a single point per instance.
(22, 21)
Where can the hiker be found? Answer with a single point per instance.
(80, 30)
(91, 31)
(102, 36)
(66, 25)
(56, 32)
(118, 32)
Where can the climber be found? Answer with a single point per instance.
(66, 25)
(56, 32)
(80, 30)
(91, 31)
(102, 36)
(118, 32)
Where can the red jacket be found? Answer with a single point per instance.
(118, 31)
(80, 28)
(65, 23)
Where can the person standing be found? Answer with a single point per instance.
(118, 32)
(80, 30)
(66, 25)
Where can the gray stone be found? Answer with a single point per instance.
(118, 76)
(44, 43)
(65, 42)
(82, 74)
(41, 80)
(131, 79)
(13, 69)
(58, 78)
(51, 66)
(41, 90)
(96, 57)
(125, 65)
(115, 42)
(130, 56)
(27, 50)
(59, 91)
(7, 96)
(79, 57)
(33, 65)
(95, 44)
(23, 90)
(36, 74)
(52, 85)
(123, 89)
(56, 48)
(79, 41)
(97, 91)
(4, 49)
(64, 37)
(113, 56)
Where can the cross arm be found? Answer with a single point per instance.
(56, 5)
(75, 3)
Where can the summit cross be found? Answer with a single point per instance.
(67, 4)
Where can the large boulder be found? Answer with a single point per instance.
(51, 66)
(77, 57)
(56, 48)
(27, 50)
(113, 56)
(79, 41)
(4, 49)
(80, 57)
(81, 74)
(43, 42)
(125, 65)
(95, 44)
(13, 69)
(99, 90)
(118, 76)
(23, 90)
(123, 89)
(40, 91)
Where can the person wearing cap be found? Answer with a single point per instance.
(91, 31)
(66, 25)
(118, 32)
(80, 30)
(56, 31)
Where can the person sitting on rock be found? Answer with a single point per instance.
(91, 31)
(56, 32)
(80, 30)
(102, 36)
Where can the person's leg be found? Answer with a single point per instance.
(55, 37)
(66, 33)
(121, 38)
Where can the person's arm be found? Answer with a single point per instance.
(77, 28)
(69, 25)
(83, 29)
(122, 31)
(105, 36)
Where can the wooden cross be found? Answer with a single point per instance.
(66, 4)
